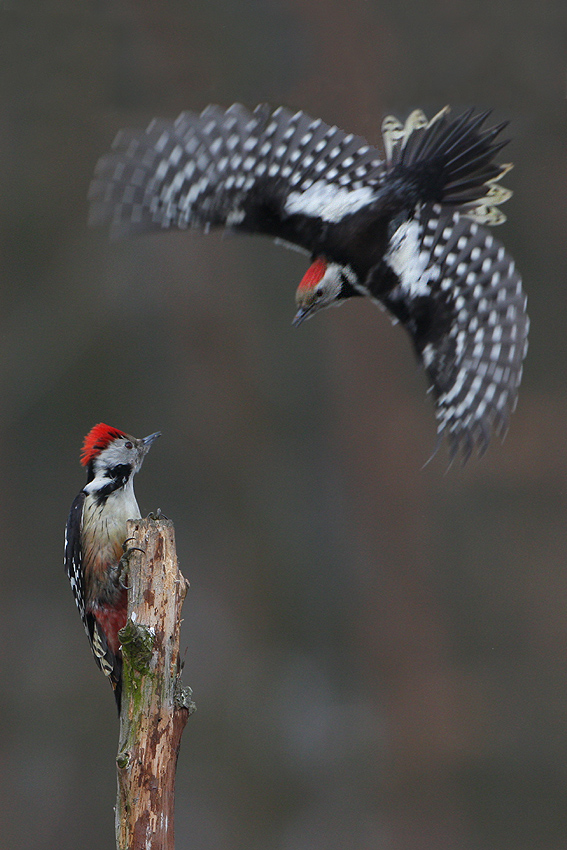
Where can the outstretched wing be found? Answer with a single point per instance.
(276, 172)
(460, 297)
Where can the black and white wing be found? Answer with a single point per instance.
(460, 297)
(274, 172)
(73, 559)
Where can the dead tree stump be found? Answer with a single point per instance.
(155, 707)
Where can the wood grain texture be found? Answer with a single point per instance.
(153, 714)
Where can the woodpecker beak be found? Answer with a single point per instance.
(147, 441)
(302, 313)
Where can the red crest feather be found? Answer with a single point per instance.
(97, 440)
(313, 274)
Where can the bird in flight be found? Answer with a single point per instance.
(408, 228)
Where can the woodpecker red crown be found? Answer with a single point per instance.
(313, 275)
(97, 440)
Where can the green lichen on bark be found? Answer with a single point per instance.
(137, 645)
(123, 759)
(137, 648)
(182, 697)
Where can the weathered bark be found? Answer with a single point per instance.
(154, 706)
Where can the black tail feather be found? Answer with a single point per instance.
(444, 161)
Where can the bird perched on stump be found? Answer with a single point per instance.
(95, 541)
(407, 229)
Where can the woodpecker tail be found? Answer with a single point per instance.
(108, 658)
(449, 162)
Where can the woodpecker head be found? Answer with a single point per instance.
(112, 454)
(323, 285)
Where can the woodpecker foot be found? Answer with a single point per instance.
(156, 515)
(124, 562)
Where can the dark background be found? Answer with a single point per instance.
(377, 650)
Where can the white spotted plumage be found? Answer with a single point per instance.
(202, 168)
(476, 366)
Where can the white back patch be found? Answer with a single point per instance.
(408, 262)
(328, 201)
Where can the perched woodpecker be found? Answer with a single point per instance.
(94, 541)
(407, 230)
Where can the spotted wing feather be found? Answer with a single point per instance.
(460, 297)
(73, 559)
(228, 168)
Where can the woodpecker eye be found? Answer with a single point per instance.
(318, 293)
(128, 445)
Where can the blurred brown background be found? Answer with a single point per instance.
(378, 651)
